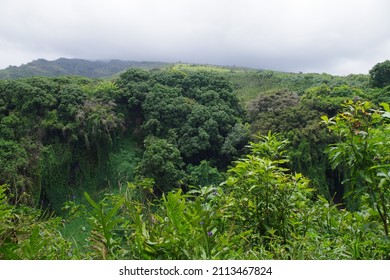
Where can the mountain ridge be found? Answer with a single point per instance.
(75, 67)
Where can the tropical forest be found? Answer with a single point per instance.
(154, 161)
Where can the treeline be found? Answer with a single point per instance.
(184, 169)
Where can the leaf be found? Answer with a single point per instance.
(111, 214)
(253, 187)
(231, 181)
(386, 115)
(385, 106)
(93, 203)
(8, 252)
(367, 105)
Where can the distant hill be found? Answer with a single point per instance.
(79, 67)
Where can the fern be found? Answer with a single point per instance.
(104, 220)
(4, 210)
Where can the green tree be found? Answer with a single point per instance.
(380, 74)
(196, 110)
(164, 109)
(135, 84)
(203, 174)
(162, 162)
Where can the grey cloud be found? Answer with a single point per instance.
(333, 36)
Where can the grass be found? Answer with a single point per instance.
(205, 67)
(251, 83)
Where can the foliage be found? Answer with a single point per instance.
(249, 85)
(362, 153)
(195, 112)
(380, 74)
(103, 223)
(122, 162)
(28, 233)
(260, 212)
(64, 66)
(13, 161)
(52, 128)
(296, 117)
(203, 174)
(162, 162)
(199, 67)
(262, 190)
(167, 131)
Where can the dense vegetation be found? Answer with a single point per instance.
(195, 162)
(81, 67)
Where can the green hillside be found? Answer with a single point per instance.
(74, 67)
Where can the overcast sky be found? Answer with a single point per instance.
(332, 36)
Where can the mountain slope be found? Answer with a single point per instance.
(80, 67)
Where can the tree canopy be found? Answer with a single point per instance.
(380, 74)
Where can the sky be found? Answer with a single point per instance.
(338, 37)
